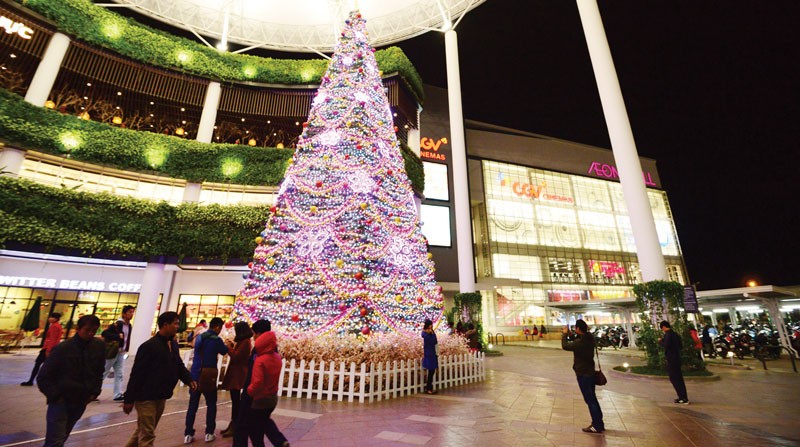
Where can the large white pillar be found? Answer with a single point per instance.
(11, 161)
(47, 71)
(466, 261)
(205, 129)
(152, 286)
(651, 260)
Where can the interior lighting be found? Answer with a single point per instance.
(720, 311)
(116, 120)
(490, 346)
(179, 131)
(748, 308)
(751, 283)
(183, 122)
(183, 109)
(151, 114)
(297, 123)
(251, 142)
(85, 116)
(269, 122)
(242, 119)
(279, 145)
(88, 84)
(86, 98)
(151, 103)
(49, 104)
(13, 56)
(117, 107)
(625, 365)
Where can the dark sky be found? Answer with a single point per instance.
(712, 91)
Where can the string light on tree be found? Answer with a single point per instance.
(342, 251)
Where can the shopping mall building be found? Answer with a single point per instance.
(552, 236)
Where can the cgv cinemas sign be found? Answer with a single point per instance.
(429, 148)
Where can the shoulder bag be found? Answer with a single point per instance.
(599, 377)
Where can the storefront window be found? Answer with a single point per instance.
(206, 307)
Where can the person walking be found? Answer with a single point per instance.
(430, 359)
(671, 342)
(243, 419)
(207, 347)
(582, 348)
(236, 373)
(52, 337)
(120, 333)
(708, 348)
(263, 390)
(71, 377)
(157, 367)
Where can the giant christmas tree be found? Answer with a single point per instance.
(342, 250)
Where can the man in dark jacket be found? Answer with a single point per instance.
(671, 342)
(71, 377)
(583, 354)
(207, 346)
(157, 368)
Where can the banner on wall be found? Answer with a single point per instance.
(560, 296)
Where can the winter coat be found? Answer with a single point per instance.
(430, 360)
(52, 336)
(236, 373)
(672, 348)
(73, 371)
(582, 352)
(266, 368)
(156, 370)
(206, 348)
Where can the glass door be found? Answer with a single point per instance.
(70, 313)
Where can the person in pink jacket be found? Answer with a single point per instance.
(263, 390)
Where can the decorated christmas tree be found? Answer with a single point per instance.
(342, 251)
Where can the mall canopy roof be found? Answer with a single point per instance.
(741, 296)
(301, 25)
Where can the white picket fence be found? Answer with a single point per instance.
(368, 383)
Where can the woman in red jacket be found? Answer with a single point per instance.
(236, 373)
(52, 337)
(263, 390)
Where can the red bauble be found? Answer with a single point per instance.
(365, 330)
(249, 265)
(363, 311)
(342, 307)
(389, 172)
(305, 124)
(272, 209)
(295, 318)
(229, 324)
(359, 276)
(419, 300)
(319, 184)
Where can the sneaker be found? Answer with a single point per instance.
(210, 437)
(188, 439)
(26, 384)
(119, 398)
(682, 401)
(591, 429)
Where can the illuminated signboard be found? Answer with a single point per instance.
(608, 269)
(533, 191)
(429, 148)
(436, 224)
(435, 181)
(606, 170)
(72, 284)
(18, 28)
(609, 294)
(560, 296)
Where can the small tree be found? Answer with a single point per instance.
(663, 300)
(467, 309)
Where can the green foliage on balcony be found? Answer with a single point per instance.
(26, 126)
(104, 224)
(99, 26)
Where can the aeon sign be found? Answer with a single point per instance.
(610, 171)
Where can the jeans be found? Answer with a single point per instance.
(211, 411)
(37, 364)
(260, 423)
(236, 398)
(587, 384)
(118, 363)
(676, 378)
(242, 431)
(61, 417)
(148, 413)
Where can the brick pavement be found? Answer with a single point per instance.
(530, 398)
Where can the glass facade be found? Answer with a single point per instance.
(567, 238)
(206, 307)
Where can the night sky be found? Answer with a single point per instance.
(712, 91)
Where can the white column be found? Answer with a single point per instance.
(152, 285)
(629, 327)
(191, 192)
(205, 130)
(466, 260)
(11, 161)
(48, 68)
(651, 260)
(413, 140)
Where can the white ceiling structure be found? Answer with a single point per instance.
(301, 25)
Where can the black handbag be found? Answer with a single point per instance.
(599, 377)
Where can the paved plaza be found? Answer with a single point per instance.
(530, 398)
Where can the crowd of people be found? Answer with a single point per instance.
(70, 375)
